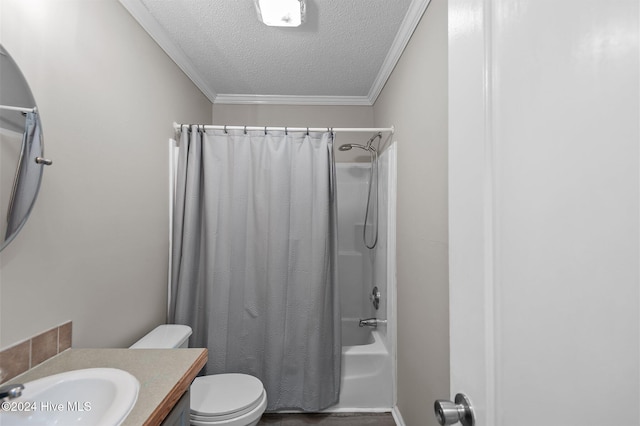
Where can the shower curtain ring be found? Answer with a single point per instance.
(265, 130)
(245, 130)
(307, 131)
(286, 132)
(225, 129)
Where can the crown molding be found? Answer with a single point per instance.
(159, 35)
(408, 26)
(291, 100)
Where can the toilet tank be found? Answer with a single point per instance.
(166, 336)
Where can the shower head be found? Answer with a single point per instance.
(348, 146)
(368, 147)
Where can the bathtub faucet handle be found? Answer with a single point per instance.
(375, 297)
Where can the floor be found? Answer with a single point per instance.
(329, 419)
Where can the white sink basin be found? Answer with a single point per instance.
(93, 396)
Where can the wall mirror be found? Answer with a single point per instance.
(21, 149)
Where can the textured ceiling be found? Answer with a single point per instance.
(342, 53)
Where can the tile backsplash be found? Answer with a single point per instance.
(22, 356)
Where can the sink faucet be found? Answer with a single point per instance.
(11, 391)
(371, 322)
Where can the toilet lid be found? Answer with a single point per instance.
(225, 394)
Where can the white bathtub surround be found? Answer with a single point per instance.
(385, 265)
(368, 355)
(355, 272)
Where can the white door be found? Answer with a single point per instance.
(544, 211)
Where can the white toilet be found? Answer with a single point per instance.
(220, 399)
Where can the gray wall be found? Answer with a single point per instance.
(95, 248)
(415, 101)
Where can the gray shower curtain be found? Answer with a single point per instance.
(254, 260)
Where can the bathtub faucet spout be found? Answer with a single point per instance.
(371, 322)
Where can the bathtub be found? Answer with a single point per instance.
(367, 382)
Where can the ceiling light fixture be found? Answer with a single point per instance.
(281, 13)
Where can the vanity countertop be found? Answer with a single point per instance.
(164, 375)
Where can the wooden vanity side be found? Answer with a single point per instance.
(164, 408)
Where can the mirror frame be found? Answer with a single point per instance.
(19, 114)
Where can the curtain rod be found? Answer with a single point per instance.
(177, 127)
(21, 109)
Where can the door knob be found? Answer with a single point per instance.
(449, 413)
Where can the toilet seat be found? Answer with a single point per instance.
(221, 397)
